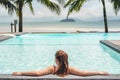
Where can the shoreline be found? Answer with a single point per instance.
(60, 29)
(56, 29)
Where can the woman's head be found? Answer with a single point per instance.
(62, 61)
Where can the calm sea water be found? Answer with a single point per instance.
(5, 27)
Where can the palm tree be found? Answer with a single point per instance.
(19, 4)
(51, 5)
(19, 10)
(75, 5)
(116, 5)
(105, 16)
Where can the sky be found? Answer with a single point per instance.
(91, 11)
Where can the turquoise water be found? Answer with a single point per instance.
(36, 51)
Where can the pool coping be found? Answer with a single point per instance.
(111, 45)
(5, 36)
(15, 33)
(54, 77)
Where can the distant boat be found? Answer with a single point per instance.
(67, 20)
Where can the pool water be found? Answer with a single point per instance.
(36, 51)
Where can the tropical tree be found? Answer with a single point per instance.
(105, 16)
(116, 5)
(19, 5)
(75, 5)
(54, 7)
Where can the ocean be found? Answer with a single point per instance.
(56, 25)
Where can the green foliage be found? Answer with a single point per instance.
(50, 5)
(16, 5)
(75, 5)
(116, 5)
(8, 5)
(29, 2)
(21, 3)
(13, 5)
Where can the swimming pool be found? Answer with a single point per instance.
(36, 51)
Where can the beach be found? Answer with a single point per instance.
(53, 29)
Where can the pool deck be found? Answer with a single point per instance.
(2, 38)
(5, 36)
(114, 44)
(54, 77)
(16, 34)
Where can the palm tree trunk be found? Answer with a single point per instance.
(105, 16)
(20, 17)
(67, 16)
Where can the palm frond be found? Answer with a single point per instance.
(22, 3)
(116, 5)
(29, 2)
(75, 5)
(17, 12)
(8, 5)
(68, 3)
(50, 5)
(17, 3)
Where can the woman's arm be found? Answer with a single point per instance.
(86, 73)
(48, 70)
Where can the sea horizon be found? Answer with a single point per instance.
(38, 26)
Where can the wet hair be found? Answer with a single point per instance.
(62, 57)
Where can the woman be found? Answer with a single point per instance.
(62, 69)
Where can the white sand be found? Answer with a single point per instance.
(53, 29)
(60, 29)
